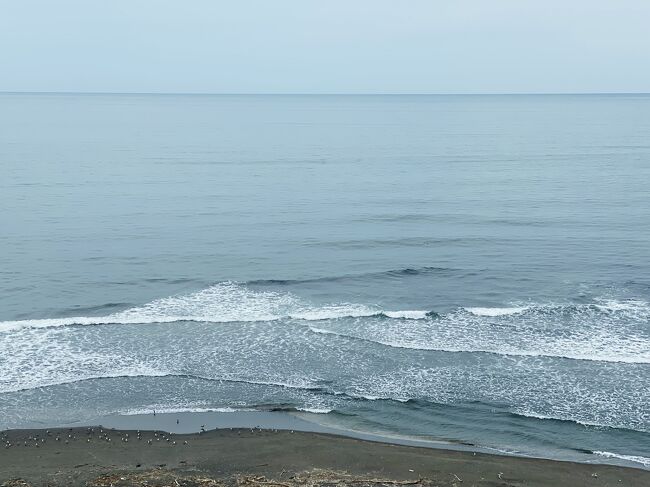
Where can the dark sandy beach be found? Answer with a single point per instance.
(254, 457)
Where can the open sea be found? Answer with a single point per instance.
(474, 269)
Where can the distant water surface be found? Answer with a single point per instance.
(466, 268)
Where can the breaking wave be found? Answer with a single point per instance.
(645, 461)
(496, 311)
(604, 330)
(222, 303)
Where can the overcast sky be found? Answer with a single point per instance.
(326, 46)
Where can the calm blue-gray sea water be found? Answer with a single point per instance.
(468, 268)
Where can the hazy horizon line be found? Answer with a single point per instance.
(197, 93)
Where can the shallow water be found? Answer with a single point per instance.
(466, 268)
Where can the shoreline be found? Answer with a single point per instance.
(192, 421)
(188, 421)
(305, 421)
(222, 444)
(79, 456)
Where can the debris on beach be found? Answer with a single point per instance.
(166, 478)
(325, 478)
(15, 483)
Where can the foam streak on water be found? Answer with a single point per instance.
(255, 331)
(599, 331)
(645, 461)
(222, 303)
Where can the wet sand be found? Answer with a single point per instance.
(255, 457)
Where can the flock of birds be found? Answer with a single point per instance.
(91, 434)
(98, 434)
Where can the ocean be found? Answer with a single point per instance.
(471, 269)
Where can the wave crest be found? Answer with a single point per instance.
(226, 302)
(605, 330)
(496, 311)
(645, 461)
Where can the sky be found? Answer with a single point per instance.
(325, 46)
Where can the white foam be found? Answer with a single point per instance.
(575, 332)
(323, 331)
(645, 461)
(44, 357)
(370, 397)
(54, 322)
(334, 311)
(43, 379)
(33, 359)
(626, 305)
(407, 314)
(225, 302)
(589, 355)
(167, 410)
(531, 414)
(451, 340)
(298, 384)
(505, 451)
(222, 303)
(497, 311)
(195, 409)
(315, 410)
